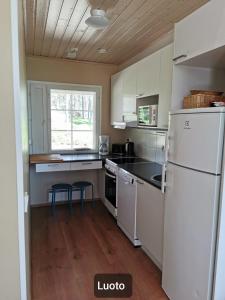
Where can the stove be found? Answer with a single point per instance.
(112, 166)
(125, 160)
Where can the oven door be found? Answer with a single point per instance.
(110, 187)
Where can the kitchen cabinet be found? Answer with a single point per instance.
(69, 166)
(129, 90)
(86, 165)
(37, 104)
(200, 32)
(123, 96)
(151, 76)
(150, 216)
(165, 86)
(116, 99)
(52, 167)
(148, 73)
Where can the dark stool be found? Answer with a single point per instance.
(58, 188)
(82, 185)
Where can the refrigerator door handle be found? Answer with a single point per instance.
(166, 147)
(163, 184)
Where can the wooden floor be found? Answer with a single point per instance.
(68, 251)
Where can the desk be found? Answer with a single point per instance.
(46, 170)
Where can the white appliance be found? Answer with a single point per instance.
(110, 187)
(127, 205)
(192, 201)
(147, 115)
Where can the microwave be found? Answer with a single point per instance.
(147, 115)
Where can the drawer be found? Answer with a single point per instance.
(86, 165)
(52, 167)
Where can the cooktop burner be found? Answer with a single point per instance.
(127, 160)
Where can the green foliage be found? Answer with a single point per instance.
(81, 121)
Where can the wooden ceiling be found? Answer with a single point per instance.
(55, 26)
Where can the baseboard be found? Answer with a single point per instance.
(61, 202)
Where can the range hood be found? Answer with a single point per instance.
(129, 120)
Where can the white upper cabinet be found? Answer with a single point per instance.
(165, 86)
(148, 72)
(200, 32)
(123, 96)
(116, 98)
(150, 76)
(129, 90)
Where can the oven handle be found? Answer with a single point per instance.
(111, 176)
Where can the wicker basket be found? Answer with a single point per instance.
(201, 100)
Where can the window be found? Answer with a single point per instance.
(73, 119)
(63, 118)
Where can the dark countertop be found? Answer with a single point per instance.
(61, 158)
(144, 171)
(82, 157)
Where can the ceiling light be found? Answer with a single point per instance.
(103, 50)
(97, 19)
(72, 53)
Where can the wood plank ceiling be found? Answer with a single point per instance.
(55, 26)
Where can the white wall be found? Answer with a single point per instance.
(77, 72)
(149, 144)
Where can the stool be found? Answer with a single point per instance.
(82, 185)
(58, 188)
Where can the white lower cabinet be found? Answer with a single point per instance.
(85, 165)
(52, 167)
(69, 166)
(150, 216)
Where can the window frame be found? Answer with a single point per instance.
(77, 87)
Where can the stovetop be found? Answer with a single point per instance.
(126, 160)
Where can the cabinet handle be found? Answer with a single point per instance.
(86, 163)
(180, 56)
(140, 182)
(53, 165)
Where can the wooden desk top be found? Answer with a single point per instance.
(45, 158)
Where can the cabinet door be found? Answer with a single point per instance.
(129, 90)
(165, 86)
(148, 71)
(150, 215)
(200, 32)
(116, 98)
(38, 118)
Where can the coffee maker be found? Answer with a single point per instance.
(103, 144)
(129, 148)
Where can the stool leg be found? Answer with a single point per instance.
(70, 200)
(92, 193)
(53, 202)
(82, 199)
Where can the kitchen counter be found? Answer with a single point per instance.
(144, 171)
(62, 158)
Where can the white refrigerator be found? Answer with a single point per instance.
(192, 203)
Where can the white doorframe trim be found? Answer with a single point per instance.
(19, 153)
